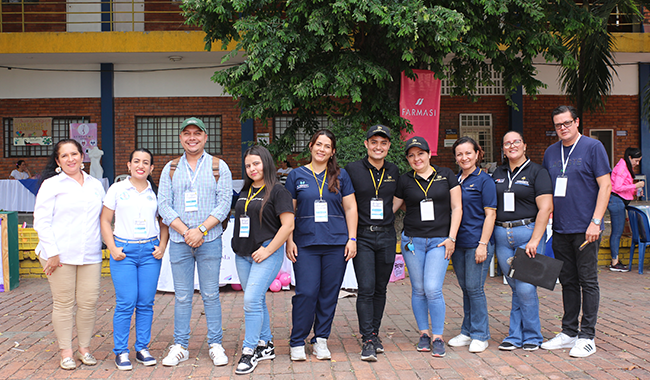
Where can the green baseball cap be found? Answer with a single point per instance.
(193, 121)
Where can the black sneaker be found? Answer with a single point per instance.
(247, 362)
(265, 352)
(530, 347)
(438, 349)
(425, 343)
(379, 348)
(368, 352)
(507, 346)
(619, 267)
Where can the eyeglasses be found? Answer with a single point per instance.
(566, 124)
(515, 143)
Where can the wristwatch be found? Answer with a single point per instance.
(203, 230)
(596, 221)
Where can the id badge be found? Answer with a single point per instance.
(244, 226)
(376, 209)
(560, 186)
(509, 201)
(426, 210)
(320, 211)
(191, 200)
(140, 229)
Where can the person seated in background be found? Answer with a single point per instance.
(21, 171)
(283, 171)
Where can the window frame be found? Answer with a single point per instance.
(167, 127)
(62, 132)
(475, 130)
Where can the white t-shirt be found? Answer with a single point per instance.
(133, 211)
(19, 175)
(283, 173)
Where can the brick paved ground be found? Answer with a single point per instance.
(622, 338)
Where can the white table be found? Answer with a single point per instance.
(15, 197)
(228, 272)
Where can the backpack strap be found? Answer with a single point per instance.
(172, 167)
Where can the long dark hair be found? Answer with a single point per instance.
(476, 146)
(523, 142)
(50, 167)
(154, 187)
(631, 153)
(332, 167)
(269, 172)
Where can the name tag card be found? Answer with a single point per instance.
(376, 209)
(509, 201)
(244, 226)
(426, 210)
(140, 229)
(191, 200)
(560, 186)
(320, 211)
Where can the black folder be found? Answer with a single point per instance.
(539, 271)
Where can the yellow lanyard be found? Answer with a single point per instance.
(435, 173)
(321, 186)
(380, 181)
(249, 198)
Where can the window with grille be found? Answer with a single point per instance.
(281, 123)
(160, 134)
(479, 127)
(494, 89)
(60, 131)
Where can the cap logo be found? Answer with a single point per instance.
(379, 127)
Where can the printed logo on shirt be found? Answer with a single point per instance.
(500, 180)
(522, 182)
(302, 185)
(389, 178)
(150, 198)
(124, 196)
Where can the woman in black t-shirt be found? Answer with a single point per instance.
(524, 203)
(433, 214)
(263, 221)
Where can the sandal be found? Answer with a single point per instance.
(87, 358)
(68, 363)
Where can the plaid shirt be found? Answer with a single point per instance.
(213, 198)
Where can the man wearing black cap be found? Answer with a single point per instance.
(375, 182)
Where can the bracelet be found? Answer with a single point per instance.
(353, 239)
(186, 231)
(452, 239)
(481, 242)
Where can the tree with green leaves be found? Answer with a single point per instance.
(343, 58)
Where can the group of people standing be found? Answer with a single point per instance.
(327, 215)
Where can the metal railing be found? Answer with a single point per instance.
(90, 15)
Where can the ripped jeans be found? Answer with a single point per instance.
(207, 259)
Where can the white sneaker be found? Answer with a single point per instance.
(176, 355)
(459, 340)
(218, 354)
(298, 353)
(320, 349)
(478, 345)
(561, 340)
(583, 348)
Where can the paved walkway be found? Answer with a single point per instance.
(28, 348)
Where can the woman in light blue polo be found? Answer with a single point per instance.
(137, 246)
(474, 252)
(323, 241)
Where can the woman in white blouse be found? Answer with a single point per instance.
(66, 217)
(136, 256)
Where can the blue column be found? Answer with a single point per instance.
(517, 116)
(106, 16)
(108, 121)
(247, 137)
(644, 125)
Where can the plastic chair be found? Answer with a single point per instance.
(640, 234)
(121, 177)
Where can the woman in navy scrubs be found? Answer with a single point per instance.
(323, 241)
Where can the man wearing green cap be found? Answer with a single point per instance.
(193, 199)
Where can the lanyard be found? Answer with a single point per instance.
(516, 174)
(435, 173)
(249, 198)
(196, 173)
(380, 181)
(321, 186)
(564, 163)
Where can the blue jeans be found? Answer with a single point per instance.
(135, 279)
(427, 267)
(616, 209)
(471, 279)
(255, 279)
(207, 259)
(525, 327)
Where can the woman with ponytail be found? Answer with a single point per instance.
(137, 246)
(323, 241)
(623, 189)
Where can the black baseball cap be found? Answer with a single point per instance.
(416, 141)
(378, 130)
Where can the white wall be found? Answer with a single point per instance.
(18, 84)
(178, 83)
(626, 83)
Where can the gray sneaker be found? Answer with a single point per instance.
(438, 349)
(425, 343)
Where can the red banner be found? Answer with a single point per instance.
(420, 104)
